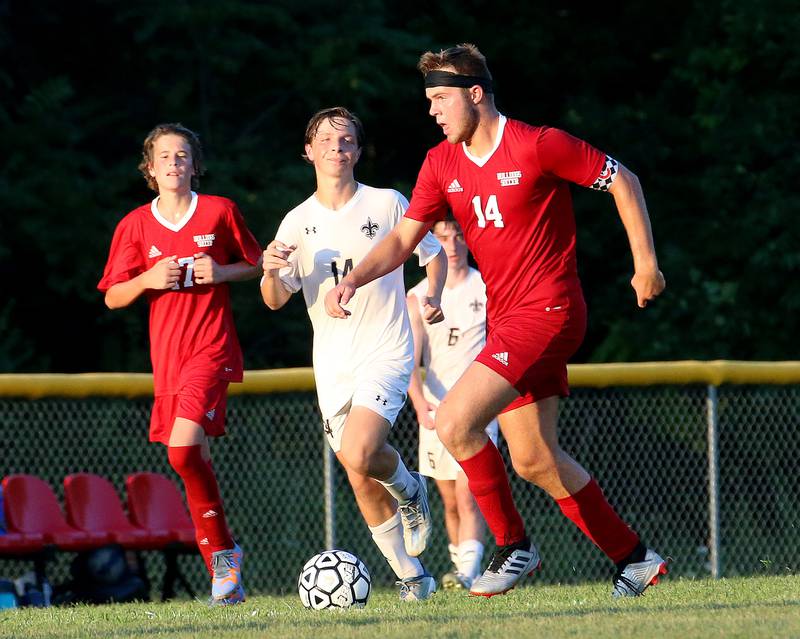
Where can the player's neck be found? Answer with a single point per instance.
(482, 141)
(173, 205)
(335, 192)
(456, 275)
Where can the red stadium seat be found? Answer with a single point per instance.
(93, 505)
(13, 544)
(156, 505)
(32, 509)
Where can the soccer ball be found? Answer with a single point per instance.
(334, 579)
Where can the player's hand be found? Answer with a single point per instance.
(206, 270)
(426, 414)
(276, 256)
(648, 285)
(163, 274)
(432, 310)
(337, 297)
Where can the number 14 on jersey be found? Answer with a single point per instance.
(489, 214)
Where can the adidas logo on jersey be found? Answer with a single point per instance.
(154, 252)
(502, 358)
(209, 514)
(203, 541)
(454, 187)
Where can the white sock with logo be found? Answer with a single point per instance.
(401, 485)
(470, 554)
(388, 537)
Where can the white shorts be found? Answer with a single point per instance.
(381, 396)
(434, 459)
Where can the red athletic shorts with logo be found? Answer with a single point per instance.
(531, 350)
(202, 400)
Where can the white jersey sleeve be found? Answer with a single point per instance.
(429, 246)
(287, 233)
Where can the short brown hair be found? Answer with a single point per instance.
(465, 58)
(172, 128)
(332, 113)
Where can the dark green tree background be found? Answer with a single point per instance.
(699, 99)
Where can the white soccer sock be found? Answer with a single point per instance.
(401, 485)
(453, 554)
(470, 554)
(388, 537)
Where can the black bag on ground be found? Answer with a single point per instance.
(103, 575)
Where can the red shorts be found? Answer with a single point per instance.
(202, 400)
(531, 351)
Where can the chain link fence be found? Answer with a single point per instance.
(647, 446)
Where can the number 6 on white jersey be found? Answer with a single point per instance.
(492, 213)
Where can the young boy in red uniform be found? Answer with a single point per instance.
(179, 251)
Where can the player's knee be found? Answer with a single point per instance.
(447, 428)
(358, 459)
(535, 469)
(185, 460)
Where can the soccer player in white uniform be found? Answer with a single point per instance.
(361, 366)
(446, 349)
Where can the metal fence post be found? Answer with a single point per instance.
(712, 416)
(330, 502)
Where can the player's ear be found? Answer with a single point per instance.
(309, 153)
(476, 94)
(150, 170)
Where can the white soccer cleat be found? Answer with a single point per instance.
(509, 564)
(226, 566)
(416, 517)
(417, 588)
(635, 578)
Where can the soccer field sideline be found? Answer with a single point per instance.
(738, 607)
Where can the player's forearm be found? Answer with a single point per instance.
(436, 271)
(630, 202)
(273, 292)
(415, 393)
(124, 294)
(240, 271)
(384, 258)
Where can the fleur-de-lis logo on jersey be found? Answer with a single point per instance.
(476, 305)
(370, 228)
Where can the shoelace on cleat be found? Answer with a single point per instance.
(227, 565)
(412, 511)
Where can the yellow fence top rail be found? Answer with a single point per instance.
(34, 386)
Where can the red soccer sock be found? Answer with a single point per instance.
(203, 498)
(488, 482)
(590, 511)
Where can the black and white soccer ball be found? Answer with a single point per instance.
(334, 579)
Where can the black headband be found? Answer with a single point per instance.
(450, 79)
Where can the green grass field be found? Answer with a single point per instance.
(741, 607)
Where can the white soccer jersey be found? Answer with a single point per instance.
(451, 345)
(375, 340)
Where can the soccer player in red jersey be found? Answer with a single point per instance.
(507, 184)
(179, 251)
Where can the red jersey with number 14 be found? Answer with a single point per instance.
(514, 208)
(191, 325)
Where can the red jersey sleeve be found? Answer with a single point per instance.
(125, 258)
(428, 203)
(569, 158)
(243, 244)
